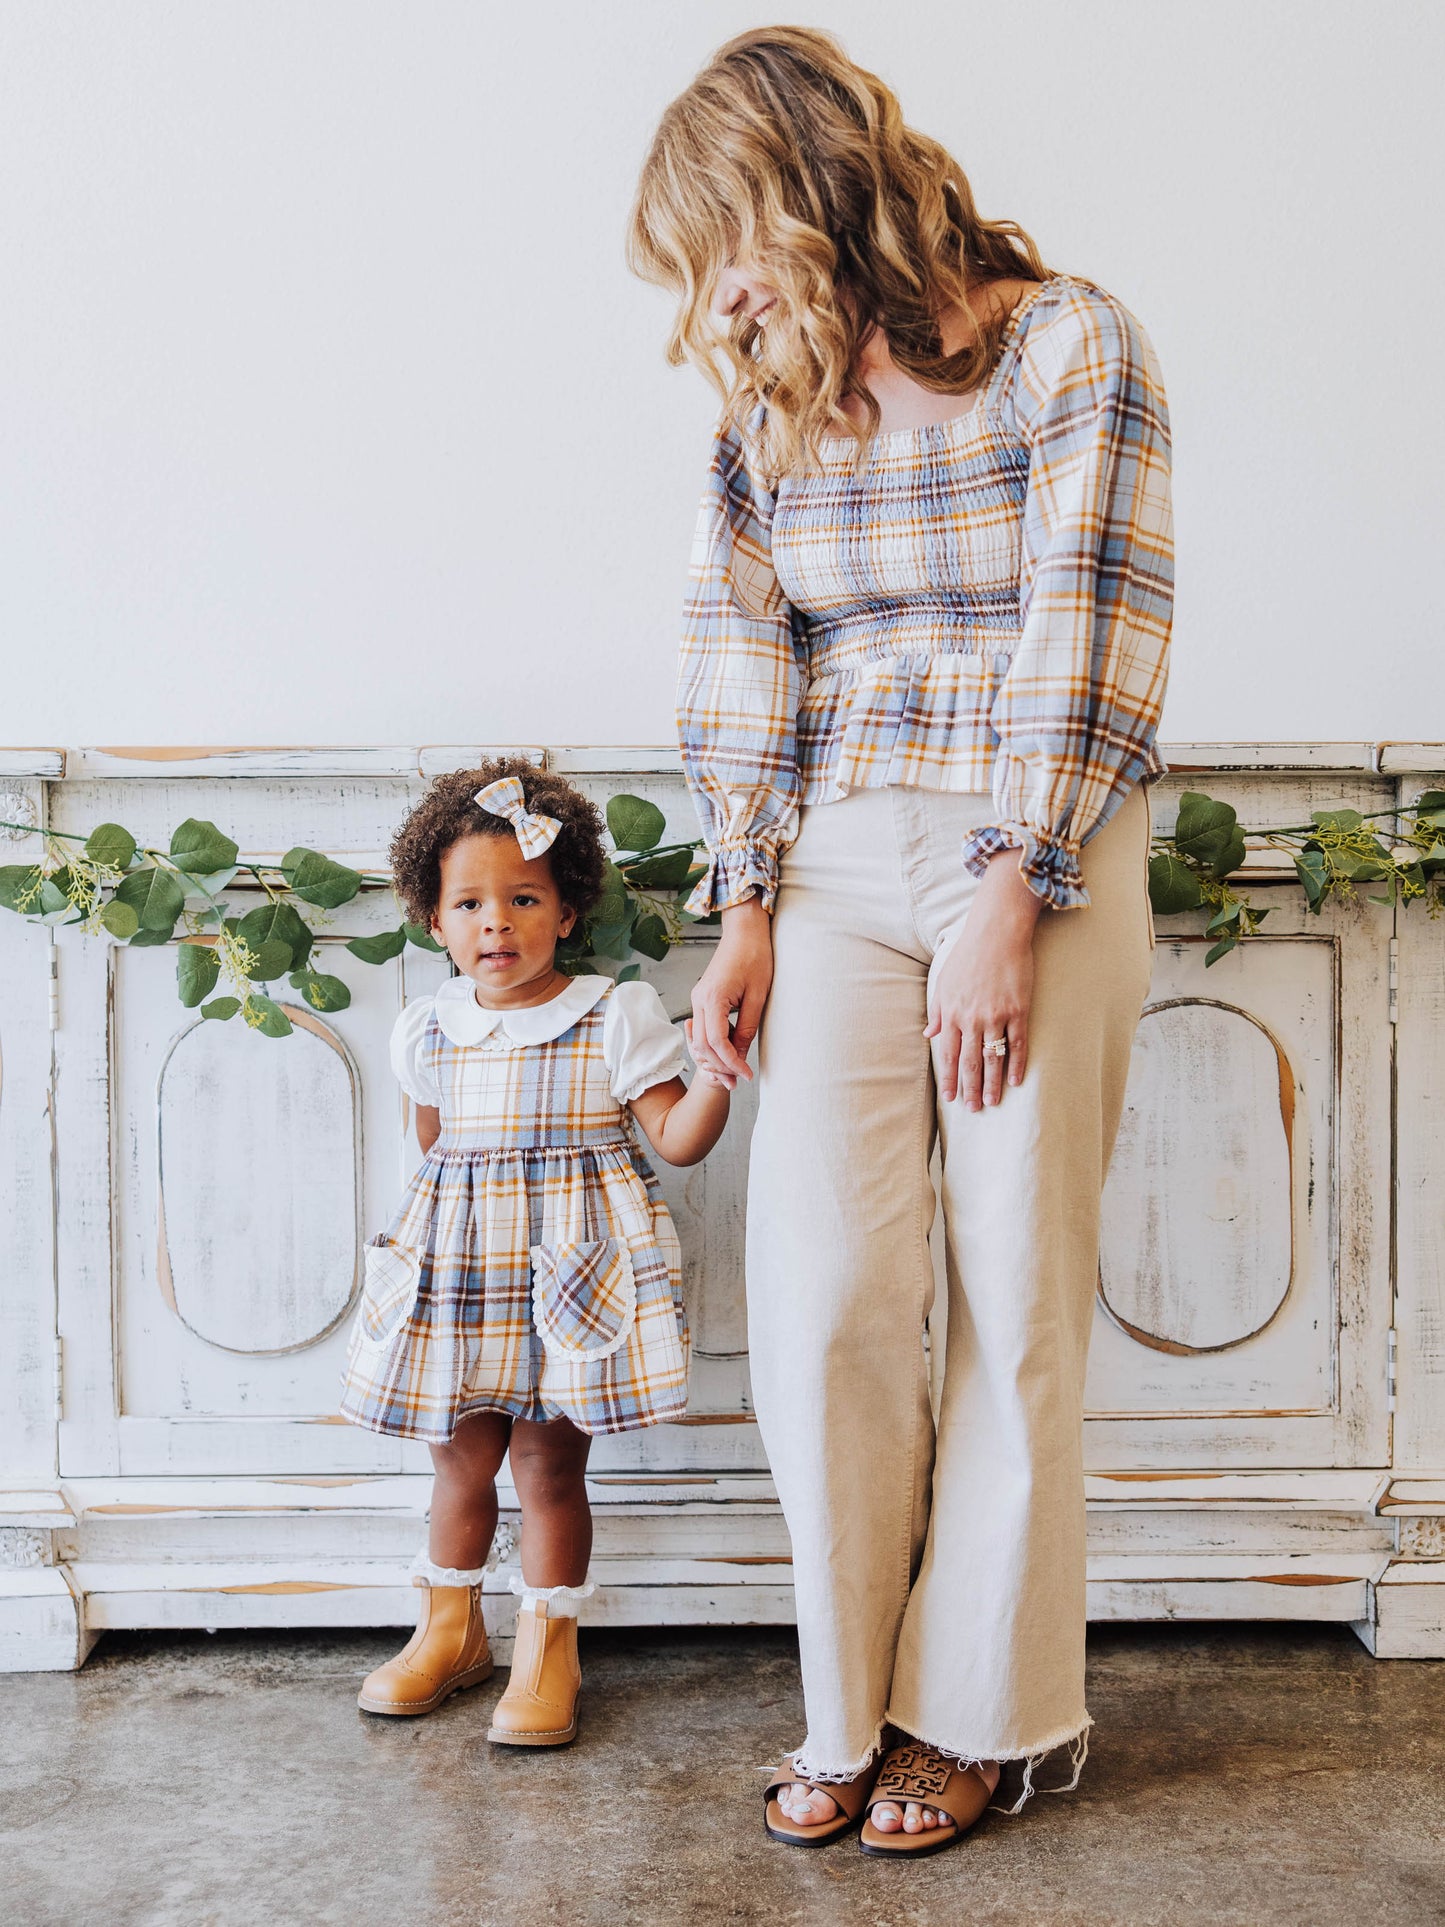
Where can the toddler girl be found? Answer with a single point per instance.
(526, 1294)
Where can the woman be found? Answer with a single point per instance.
(922, 671)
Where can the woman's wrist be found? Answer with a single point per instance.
(748, 913)
(1006, 892)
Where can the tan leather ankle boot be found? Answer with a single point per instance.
(539, 1707)
(448, 1651)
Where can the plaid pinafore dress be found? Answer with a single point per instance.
(532, 1267)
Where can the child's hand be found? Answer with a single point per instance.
(702, 1073)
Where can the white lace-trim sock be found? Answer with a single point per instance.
(424, 1573)
(562, 1601)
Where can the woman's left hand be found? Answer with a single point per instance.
(984, 989)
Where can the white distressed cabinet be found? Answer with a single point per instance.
(184, 1205)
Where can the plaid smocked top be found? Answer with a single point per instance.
(987, 606)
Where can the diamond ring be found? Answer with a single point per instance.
(995, 1046)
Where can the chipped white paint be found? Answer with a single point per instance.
(1420, 1196)
(1238, 1438)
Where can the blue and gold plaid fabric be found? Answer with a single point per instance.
(532, 1267)
(986, 607)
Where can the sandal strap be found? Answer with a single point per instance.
(923, 1774)
(850, 1795)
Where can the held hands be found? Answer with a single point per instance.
(738, 979)
(984, 990)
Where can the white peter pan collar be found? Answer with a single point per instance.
(462, 1019)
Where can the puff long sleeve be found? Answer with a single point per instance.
(738, 687)
(1076, 714)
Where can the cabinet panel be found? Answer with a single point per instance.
(1216, 1289)
(1244, 1280)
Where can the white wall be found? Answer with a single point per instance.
(331, 415)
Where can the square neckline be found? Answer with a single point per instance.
(951, 423)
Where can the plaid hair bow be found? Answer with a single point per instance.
(535, 833)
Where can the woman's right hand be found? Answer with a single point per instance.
(737, 980)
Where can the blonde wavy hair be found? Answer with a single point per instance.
(787, 155)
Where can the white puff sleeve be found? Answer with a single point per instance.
(407, 1036)
(640, 1044)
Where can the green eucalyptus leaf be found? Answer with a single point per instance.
(1173, 886)
(111, 845)
(267, 1016)
(612, 939)
(1430, 808)
(148, 939)
(1229, 941)
(379, 949)
(1313, 875)
(629, 973)
(1209, 832)
(660, 872)
(64, 890)
(650, 937)
(198, 847)
(1225, 917)
(1336, 819)
(278, 923)
(120, 920)
(154, 895)
(320, 991)
(214, 882)
(269, 961)
(221, 1008)
(20, 885)
(197, 968)
(418, 934)
(613, 904)
(316, 879)
(634, 823)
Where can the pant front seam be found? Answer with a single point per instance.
(906, 872)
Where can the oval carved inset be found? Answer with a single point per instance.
(1197, 1241)
(258, 1184)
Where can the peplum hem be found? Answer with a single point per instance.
(919, 721)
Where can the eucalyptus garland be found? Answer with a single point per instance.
(141, 896)
(1335, 852)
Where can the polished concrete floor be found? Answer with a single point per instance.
(1256, 1775)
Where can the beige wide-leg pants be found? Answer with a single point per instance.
(939, 1570)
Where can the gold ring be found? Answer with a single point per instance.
(994, 1046)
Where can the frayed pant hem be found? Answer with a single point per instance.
(834, 1775)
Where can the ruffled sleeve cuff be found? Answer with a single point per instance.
(735, 872)
(1050, 864)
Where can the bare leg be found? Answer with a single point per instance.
(464, 1495)
(549, 1465)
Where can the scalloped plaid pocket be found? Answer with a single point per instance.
(584, 1296)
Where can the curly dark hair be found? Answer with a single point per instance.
(447, 813)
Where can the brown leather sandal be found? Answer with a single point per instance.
(850, 1797)
(918, 1772)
